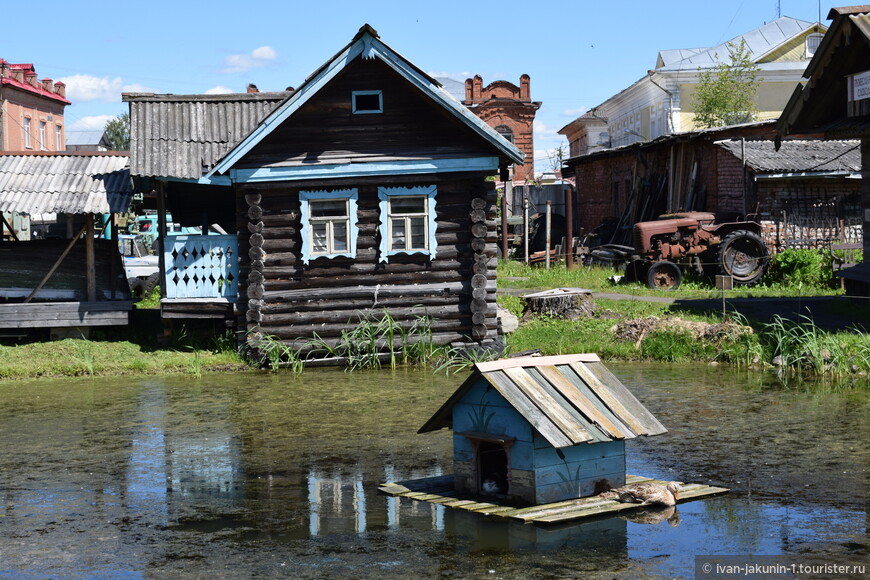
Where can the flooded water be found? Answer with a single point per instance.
(235, 475)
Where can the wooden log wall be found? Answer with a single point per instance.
(283, 298)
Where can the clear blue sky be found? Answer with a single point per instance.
(577, 52)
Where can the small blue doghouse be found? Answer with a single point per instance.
(541, 429)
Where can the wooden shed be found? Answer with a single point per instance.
(74, 279)
(542, 429)
(363, 190)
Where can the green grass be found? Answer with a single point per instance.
(802, 348)
(512, 274)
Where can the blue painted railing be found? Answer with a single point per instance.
(202, 266)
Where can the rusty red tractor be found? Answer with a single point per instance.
(663, 247)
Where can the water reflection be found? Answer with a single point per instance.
(268, 476)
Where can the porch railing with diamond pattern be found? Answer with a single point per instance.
(202, 266)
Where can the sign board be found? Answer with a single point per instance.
(724, 283)
(859, 86)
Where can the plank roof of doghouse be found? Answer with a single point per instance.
(70, 182)
(568, 399)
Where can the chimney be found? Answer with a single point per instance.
(18, 75)
(525, 89)
(4, 69)
(60, 89)
(252, 88)
(478, 87)
(30, 79)
(48, 85)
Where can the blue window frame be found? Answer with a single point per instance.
(328, 224)
(367, 102)
(407, 221)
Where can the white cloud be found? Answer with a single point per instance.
(257, 58)
(89, 88)
(574, 112)
(219, 90)
(83, 88)
(460, 76)
(92, 123)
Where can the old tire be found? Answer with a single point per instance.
(150, 283)
(137, 287)
(664, 275)
(743, 256)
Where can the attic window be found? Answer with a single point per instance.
(367, 102)
(813, 41)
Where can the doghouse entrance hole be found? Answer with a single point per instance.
(492, 468)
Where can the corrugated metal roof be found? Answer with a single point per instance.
(798, 156)
(569, 399)
(64, 182)
(183, 136)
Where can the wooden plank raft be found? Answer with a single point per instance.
(439, 490)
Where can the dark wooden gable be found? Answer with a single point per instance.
(326, 131)
(822, 105)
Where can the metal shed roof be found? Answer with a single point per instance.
(64, 182)
(183, 136)
(799, 156)
(568, 399)
(759, 42)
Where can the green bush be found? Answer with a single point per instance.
(801, 267)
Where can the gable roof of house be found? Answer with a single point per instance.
(184, 136)
(568, 399)
(820, 104)
(760, 42)
(86, 182)
(367, 45)
(811, 156)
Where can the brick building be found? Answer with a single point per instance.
(508, 109)
(31, 110)
(805, 194)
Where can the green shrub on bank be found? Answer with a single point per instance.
(808, 268)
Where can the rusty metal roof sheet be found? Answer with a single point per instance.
(64, 182)
(183, 136)
(569, 399)
(799, 156)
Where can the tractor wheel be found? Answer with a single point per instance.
(137, 287)
(150, 283)
(664, 275)
(743, 256)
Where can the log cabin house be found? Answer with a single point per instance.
(363, 191)
(73, 279)
(541, 429)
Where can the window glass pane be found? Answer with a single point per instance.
(418, 233)
(398, 242)
(318, 238)
(405, 205)
(328, 208)
(339, 233)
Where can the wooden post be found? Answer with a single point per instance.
(113, 263)
(161, 235)
(526, 225)
(90, 259)
(549, 232)
(569, 228)
(504, 223)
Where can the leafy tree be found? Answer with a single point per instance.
(118, 132)
(726, 94)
